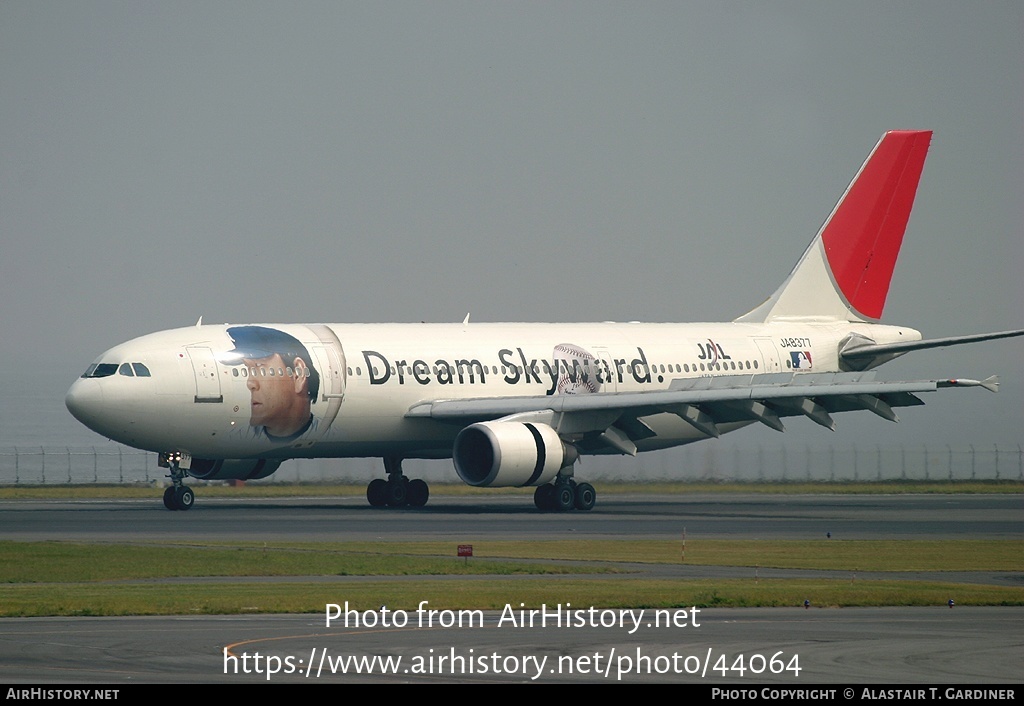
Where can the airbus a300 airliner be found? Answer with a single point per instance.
(517, 404)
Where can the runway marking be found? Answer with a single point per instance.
(233, 645)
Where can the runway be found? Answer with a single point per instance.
(850, 646)
(710, 516)
(784, 646)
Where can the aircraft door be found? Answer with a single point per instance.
(330, 362)
(204, 366)
(770, 361)
(609, 381)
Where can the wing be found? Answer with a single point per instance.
(705, 403)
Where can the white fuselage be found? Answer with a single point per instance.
(199, 401)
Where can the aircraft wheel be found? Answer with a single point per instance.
(377, 492)
(169, 498)
(543, 497)
(184, 498)
(417, 493)
(397, 493)
(586, 496)
(564, 497)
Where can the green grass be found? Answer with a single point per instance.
(60, 562)
(57, 578)
(307, 597)
(839, 555)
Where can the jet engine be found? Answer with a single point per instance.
(232, 469)
(510, 454)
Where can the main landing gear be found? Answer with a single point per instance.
(178, 496)
(563, 495)
(397, 490)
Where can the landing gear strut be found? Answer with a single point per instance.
(397, 490)
(178, 496)
(563, 495)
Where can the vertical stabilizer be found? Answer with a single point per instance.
(845, 272)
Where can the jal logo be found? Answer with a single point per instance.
(711, 352)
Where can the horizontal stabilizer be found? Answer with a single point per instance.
(874, 350)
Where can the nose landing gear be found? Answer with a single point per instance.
(178, 496)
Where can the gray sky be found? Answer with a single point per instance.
(407, 161)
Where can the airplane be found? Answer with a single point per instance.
(517, 404)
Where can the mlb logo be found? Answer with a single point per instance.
(801, 360)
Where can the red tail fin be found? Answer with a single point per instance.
(863, 236)
(845, 272)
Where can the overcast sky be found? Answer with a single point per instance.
(556, 161)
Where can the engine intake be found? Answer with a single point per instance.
(509, 454)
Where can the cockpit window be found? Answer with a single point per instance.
(126, 370)
(100, 370)
(141, 370)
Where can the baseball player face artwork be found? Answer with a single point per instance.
(279, 392)
(280, 378)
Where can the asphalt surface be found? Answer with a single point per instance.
(784, 646)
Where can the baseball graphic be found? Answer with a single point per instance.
(577, 370)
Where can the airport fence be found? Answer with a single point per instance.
(114, 464)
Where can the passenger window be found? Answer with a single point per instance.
(141, 370)
(126, 370)
(234, 372)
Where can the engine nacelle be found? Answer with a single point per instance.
(232, 468)
(510, 454)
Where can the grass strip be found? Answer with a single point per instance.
(824, 554)
(60, 562)
(227, 598)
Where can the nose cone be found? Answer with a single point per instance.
(85, 401)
